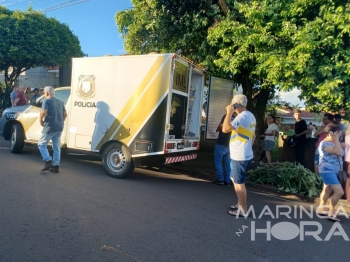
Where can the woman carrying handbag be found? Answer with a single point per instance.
(329, 166)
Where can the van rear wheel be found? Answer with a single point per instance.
(17, 139)
(117, 161)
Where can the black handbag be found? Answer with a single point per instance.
(342, 176)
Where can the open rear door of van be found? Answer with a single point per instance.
(184, 116)
(220, 95)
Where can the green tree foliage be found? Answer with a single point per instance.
(264, 45)
(30, 39)
(319, 60)
(166, 26)
(287, 44)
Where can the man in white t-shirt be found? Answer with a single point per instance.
(242, 130)
(270, 135)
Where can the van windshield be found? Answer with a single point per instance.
(63, 95)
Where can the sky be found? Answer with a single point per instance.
(93, 22)
(292, 97)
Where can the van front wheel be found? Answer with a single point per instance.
(117, 161)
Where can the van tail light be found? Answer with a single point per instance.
(168, 146)
(195, 144)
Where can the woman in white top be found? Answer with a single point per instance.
(270, 134)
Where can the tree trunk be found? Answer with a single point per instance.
(247, 87)
(258, 110)
(209, 2)
(259, 113)
(11, 78)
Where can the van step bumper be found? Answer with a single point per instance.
(175, 159)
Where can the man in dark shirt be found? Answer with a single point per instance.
(13, 95)
(300, 137)
(222, 154)
(52, 116)
(35, 96)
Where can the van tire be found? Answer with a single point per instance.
(17, 139)
(117, 161)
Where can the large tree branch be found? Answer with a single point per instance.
(209, 3)
(247, 86)
(223, 6)
(256, 94)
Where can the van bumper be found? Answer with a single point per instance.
(175, 159)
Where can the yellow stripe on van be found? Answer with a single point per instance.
(141, 111)
(149, 101)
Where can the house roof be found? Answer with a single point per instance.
(288, 113)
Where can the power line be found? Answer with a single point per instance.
(46, 10)
(15, 3)
(63, 5)
(11, 3)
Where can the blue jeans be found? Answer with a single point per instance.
(222, 153)
(56, 146)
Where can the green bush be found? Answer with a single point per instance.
(288, 177)
(289, 132)
(275, 151)
(2, 88)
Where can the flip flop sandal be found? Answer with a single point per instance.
(233, 207)
(323, 213)
(234, 213)
(334, 219)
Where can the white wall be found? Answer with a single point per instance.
(37, 77)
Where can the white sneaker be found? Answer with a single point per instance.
(261, 163)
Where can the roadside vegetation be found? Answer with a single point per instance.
(288, 177)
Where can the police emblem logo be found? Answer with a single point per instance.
(86, 88)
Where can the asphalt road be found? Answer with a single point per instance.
(81, 214)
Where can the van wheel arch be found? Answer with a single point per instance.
(8, 128)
